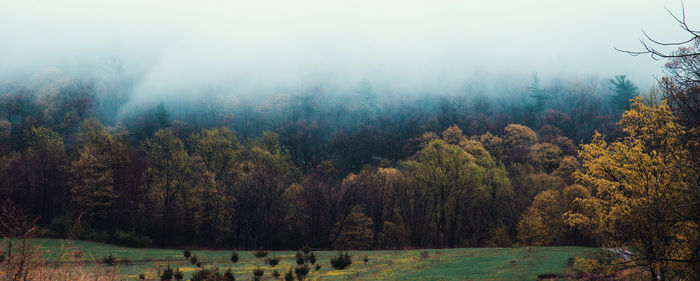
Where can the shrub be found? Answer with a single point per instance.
(365, 259)
(260, 253)
(273, 261)
(178, 275)
(276, 273)
(498, 237)
(301, 271)
(129, 239)
(199, 264)
(206, 274)
(142, 276)
(341, 261)
(289, 276)
(77, 254)
(60, 227)
(228, 275)
(258, 272)
(187, 253)
(2, 258)
(200, 275)
(109, 259)
(318, 267)
(306, 250)
(356, 231)
(300, 257)
(167, 274)
(606, 263)
(311, 257)
(194, 260)
(234, 257)
(85, 233)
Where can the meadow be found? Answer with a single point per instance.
(526, 263)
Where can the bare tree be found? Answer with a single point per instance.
(17, 230)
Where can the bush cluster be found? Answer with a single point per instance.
(260, 253)
(341, 260)
(300, 258)
(258, 272)
(289, 275)
(209, 274)
(311, 257)
(228, 275)
(234, 257)
(273, 261)
(129, 239)
(167, 274)
(178, 275)
(63, 226)
(109, 259)
(301, 271)
(305, 256)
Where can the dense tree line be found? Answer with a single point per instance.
(343, 171)
(314, 168)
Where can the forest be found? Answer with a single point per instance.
(591, 161)
(309, 168)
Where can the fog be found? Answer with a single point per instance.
(181, 48)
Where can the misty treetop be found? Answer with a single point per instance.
(293, 169)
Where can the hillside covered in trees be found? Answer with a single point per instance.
(312, 168)
(550, 165)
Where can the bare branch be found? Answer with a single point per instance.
(657, 54)
(667, 44)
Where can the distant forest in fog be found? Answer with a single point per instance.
(319, 122)
(219, 170)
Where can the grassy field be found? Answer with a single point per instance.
(440, 264)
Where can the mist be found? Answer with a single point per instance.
(180, 49)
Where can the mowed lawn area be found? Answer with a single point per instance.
(440, 264)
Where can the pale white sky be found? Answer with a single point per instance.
(194, 43)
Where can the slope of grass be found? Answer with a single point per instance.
(501, 264)
(440, 264)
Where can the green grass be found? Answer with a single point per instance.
(441, 264)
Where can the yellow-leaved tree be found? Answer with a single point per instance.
(643, 195)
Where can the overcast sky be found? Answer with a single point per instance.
(195, 43)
